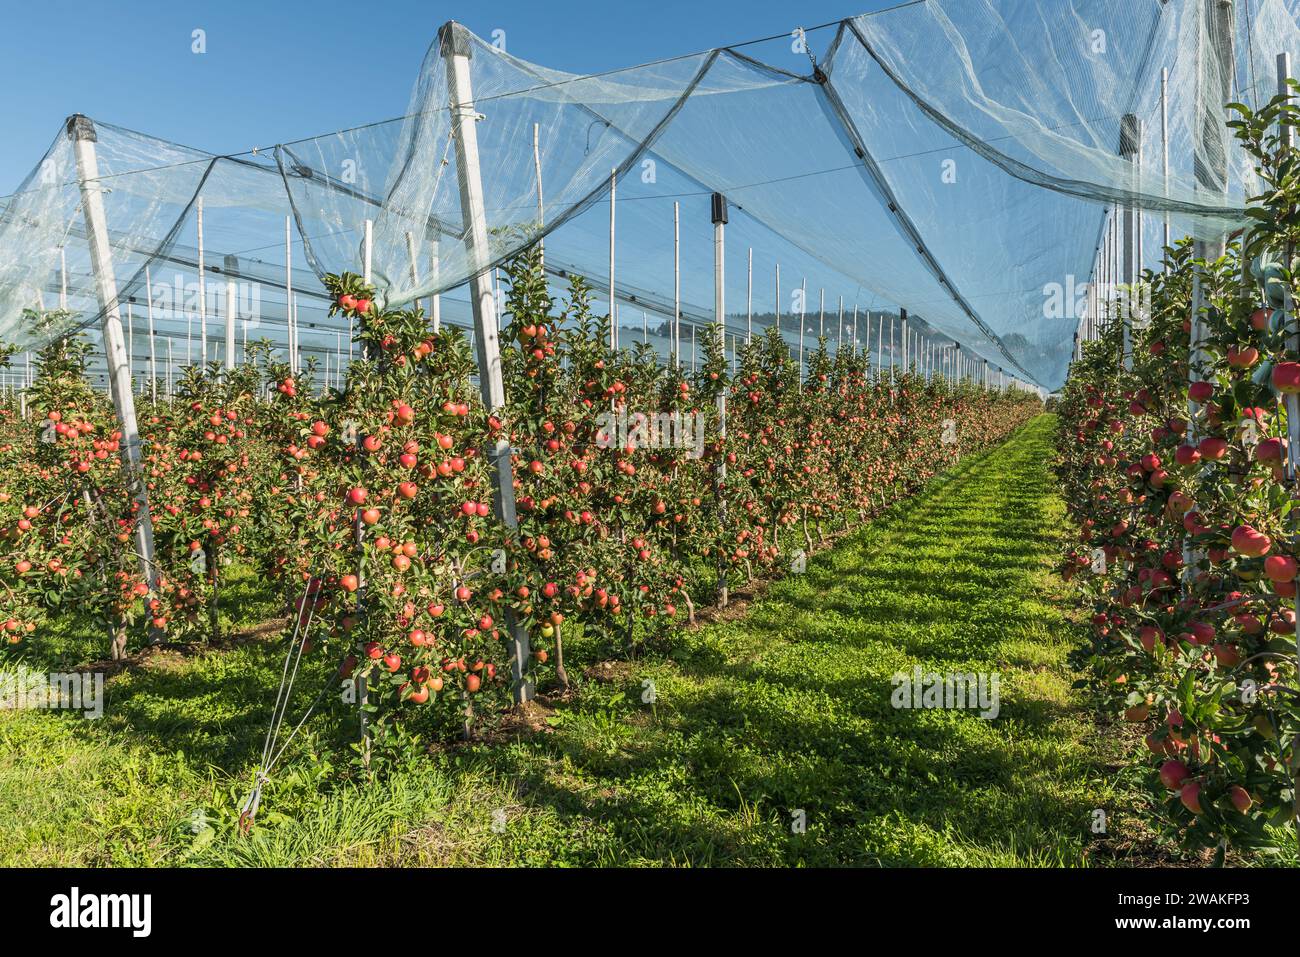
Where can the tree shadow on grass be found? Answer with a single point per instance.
(758, 737)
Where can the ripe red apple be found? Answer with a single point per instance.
(1213, 448)
(357, 496)
(1201, 392)
(1286, 377)
(1280, 568)
(1240, 799)
(1269, 450)
(1249, 542)
(1190, 795)
(1173, 774)
(1228, 656)
(1242, 358)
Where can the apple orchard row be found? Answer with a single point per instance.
(1177, 473)
(371, 511)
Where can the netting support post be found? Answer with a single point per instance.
(231, 265)
(454, 43)
(81, 130)
(719, 211)
(902, 314)
(1130, 148)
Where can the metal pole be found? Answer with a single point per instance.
(81, 130)
(903, 314)
(456, 50)
(63, 279)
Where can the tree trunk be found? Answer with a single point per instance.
(560, 673)
(117, 643)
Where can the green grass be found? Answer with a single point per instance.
(785, 709)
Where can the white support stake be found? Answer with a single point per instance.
(232, 302)
(613, 313)
(203, 295)
(456, 49)
(153, 355)
(81, 130)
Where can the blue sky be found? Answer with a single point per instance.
(280, 70)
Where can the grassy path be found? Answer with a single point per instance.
(785, 713)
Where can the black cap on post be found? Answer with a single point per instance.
(453, 40)
(1130, 136)
(81, 127)
(719, 209)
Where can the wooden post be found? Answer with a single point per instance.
(456, 51)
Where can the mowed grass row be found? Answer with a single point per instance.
(710, 755)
